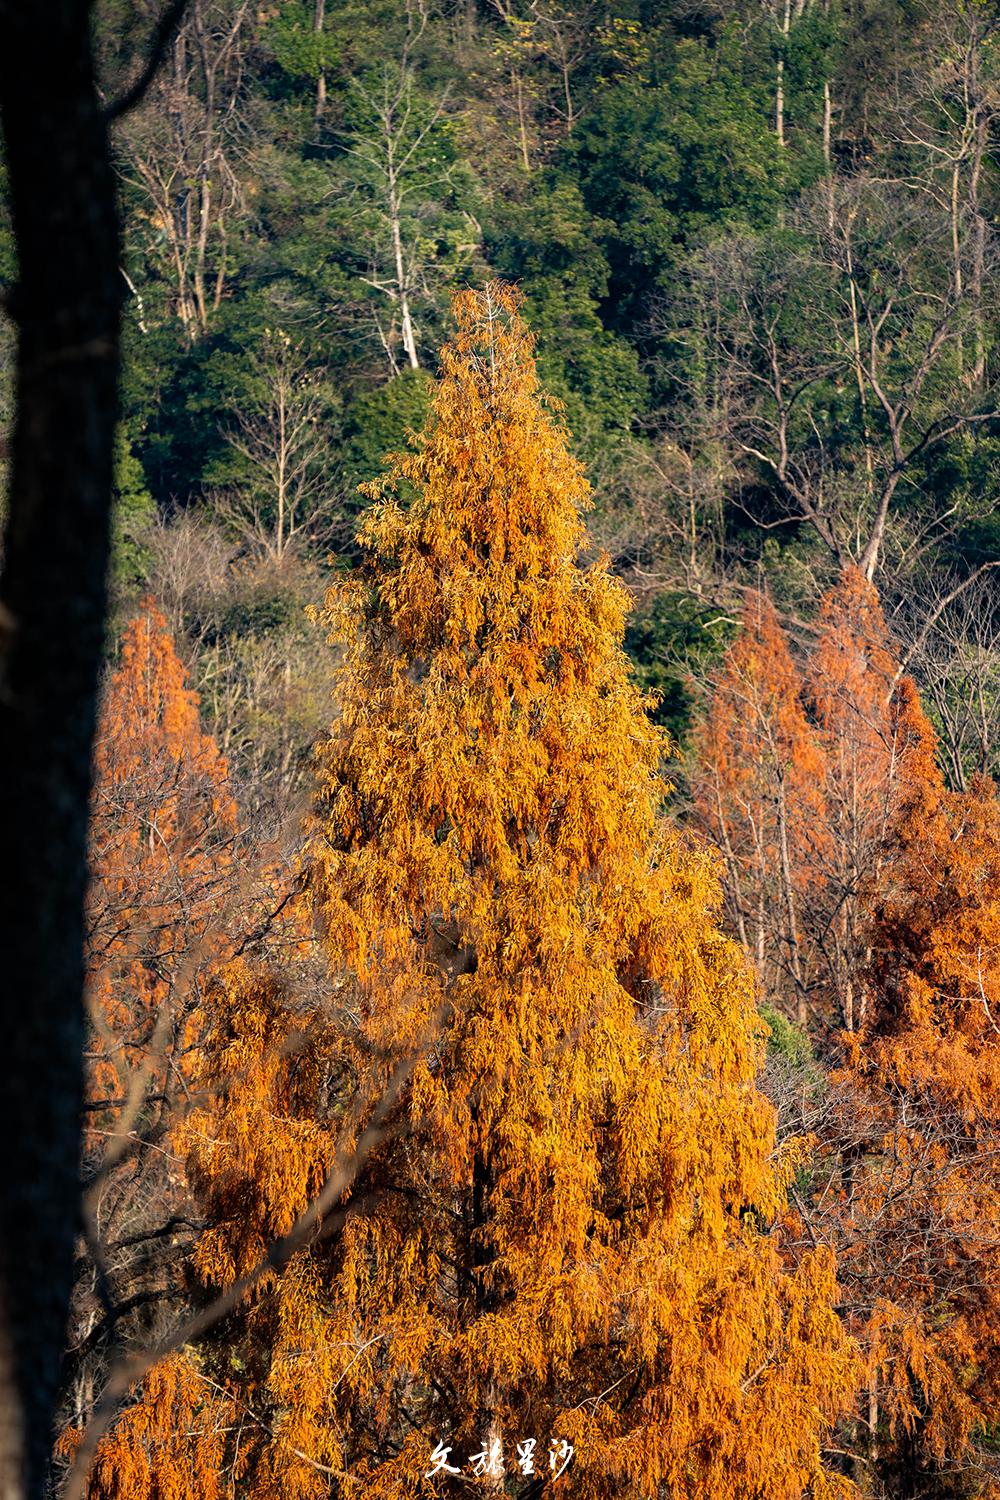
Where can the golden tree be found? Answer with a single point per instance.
(561, 1241)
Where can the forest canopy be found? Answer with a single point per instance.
(542, 1000)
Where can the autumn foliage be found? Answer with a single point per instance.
(561, 1236)
(888, 904)
(174, 896)
(798, 770)
(759, 792)
(920, 1256)
(162, 831)
(573, 1222)
(562, 1230)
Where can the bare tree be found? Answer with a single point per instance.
(176, 151)
(948, 104)
(397, 181)
(286, 440)
(837, 348)
(262, 668)
(950, 633)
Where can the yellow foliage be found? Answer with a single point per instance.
(564, 1233)
(562, 1236)
(167, 1446)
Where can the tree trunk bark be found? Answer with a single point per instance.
(489, 1428)
(320, 110)
(52, 610)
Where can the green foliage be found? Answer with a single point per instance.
(671, 642)
(134, 510)
(624, 170)
(785, 1040)
(381, 422)
(658, 164)
(300, 50)
(549, 245)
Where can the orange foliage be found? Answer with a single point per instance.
(759, 793)
(561, 1235)
(169, 1445)
(163, 822)
(921, 1233)
(796, 779)
(172, 897)
(896, 883)
(559, 1239)
(868, 747)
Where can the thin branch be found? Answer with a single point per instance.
(309, 1227)
(162, 37)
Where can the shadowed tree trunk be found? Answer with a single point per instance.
(52, 610)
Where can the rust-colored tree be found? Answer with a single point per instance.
(796, 779)
(758, 781)
(172, 897)
(162, 849)
(163, 880)
(850, 683)
(899, 930)
(918, 1218)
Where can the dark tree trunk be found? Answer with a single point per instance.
(52, 611)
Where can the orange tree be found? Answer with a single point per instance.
(867, 738)
(562, 1238)
(163, 882)
(920, 1225)
(757, 777)
(797, 773)
(163, 826)
(172, 896)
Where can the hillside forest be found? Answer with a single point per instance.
(543, 931)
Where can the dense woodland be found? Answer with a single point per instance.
(543, 940)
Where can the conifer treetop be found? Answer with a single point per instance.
(561, 1233)
(490, 676)
(584, 1139)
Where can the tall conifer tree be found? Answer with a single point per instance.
(564, 1235)
(565, 1244)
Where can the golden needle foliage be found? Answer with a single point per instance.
(564, 1240)
(563, 1234)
